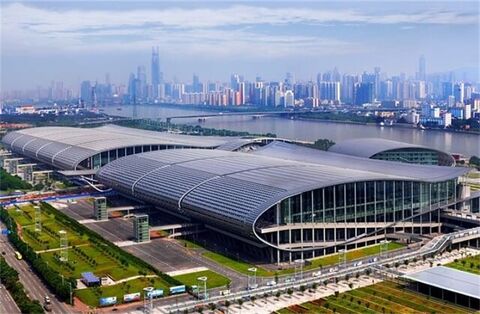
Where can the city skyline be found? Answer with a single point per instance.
(72, 42)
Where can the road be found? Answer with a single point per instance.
(7, 305)
(34, 287)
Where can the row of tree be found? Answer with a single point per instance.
(107, 247)
(154, 125)
(9, 277)
(9, 182)
(59, 285)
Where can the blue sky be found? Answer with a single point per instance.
(77, 40)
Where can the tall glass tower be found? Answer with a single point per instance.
(156, 74)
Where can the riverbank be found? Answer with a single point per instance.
(395, 125)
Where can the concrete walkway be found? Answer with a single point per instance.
(271, 304)
(186, 271)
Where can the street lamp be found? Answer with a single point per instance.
(299, 264)
(147, 299)
(204, 280)
(342, 257)
(383, 247)
(252, 280)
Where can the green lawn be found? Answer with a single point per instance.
(385, 297)
(242, 267)
(90, 296)
(86, 257)
(106, 266)
(352, 255)
(214, 280)
(469, 264)
(474, 175)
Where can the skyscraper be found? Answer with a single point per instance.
(196, 88)
(86, 91)
(142, 78)
(156, 75)
(363, 93)
(330, 91)
(421, 75)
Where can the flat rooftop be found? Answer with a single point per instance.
(449, 279)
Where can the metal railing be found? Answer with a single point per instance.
(378, 265)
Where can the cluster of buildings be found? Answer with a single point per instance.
(267, 197)
(329, 88)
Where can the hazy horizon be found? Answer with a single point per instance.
(73, 41)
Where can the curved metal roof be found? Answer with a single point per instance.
(228, 188)
(65, 147)
(368, 147)
(425, 173)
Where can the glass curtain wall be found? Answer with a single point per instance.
(371, 201)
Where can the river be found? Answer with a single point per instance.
(466, 144)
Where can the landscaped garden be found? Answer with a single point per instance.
(91, 296)
(469, 264)
(86, 251)
(214, 280)
(329, 260)
(385, 297)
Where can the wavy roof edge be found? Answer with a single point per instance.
(430, 173)
(368, 147)
(190, 178)
(66, 147)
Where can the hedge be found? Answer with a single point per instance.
(10, 280)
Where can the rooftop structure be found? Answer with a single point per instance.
(69, 148)
(284, 203)
(378, 148)
(450, 279)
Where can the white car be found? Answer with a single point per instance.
(317, 274)
(271, 283)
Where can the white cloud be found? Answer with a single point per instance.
(190, 30)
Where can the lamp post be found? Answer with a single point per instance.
(342, 257)
(204, 280)
(71, 293)
(147, 300)
(252, 279)
(299, 265)
(383, 248)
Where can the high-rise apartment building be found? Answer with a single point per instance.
(330, 91)
(363, 93)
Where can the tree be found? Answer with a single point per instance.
(474, 161)
(240, 302)
(302, 288)
(289, 291)
(278, 294)
(323, 144)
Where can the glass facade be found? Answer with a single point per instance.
(414, 156)
(369, 201)
(101, 159)
(335, 210)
